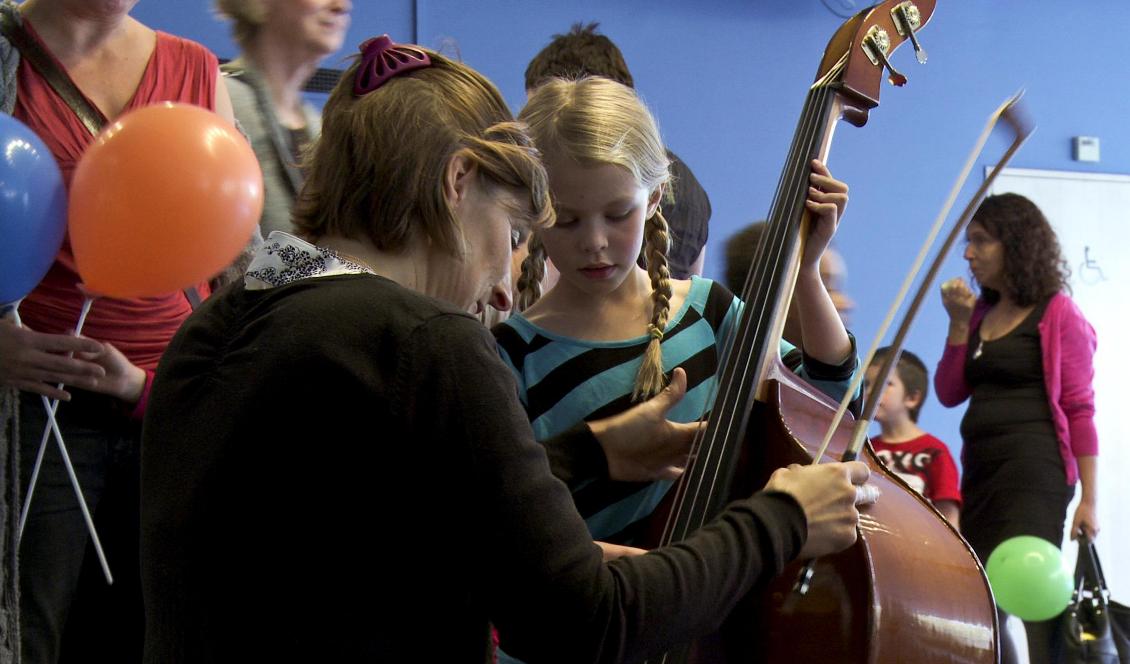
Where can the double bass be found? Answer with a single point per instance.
(910, 589)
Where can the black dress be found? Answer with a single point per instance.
(1014, 482)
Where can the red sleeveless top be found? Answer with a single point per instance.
(178, 70)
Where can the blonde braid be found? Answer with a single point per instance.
(657, 239)
(533, 274)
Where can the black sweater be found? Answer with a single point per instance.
(339, 470)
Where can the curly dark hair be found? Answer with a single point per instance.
(579, 53)
(1034, 268)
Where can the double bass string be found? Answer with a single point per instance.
(793, 179)
(774, 250)
(791, 194)
(712, 450)
(764, 278)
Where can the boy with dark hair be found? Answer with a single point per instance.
(584, 52)
(579, 53)
(921, 460)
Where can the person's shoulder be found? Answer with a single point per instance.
(517, 338)
(544, 319)
(710, 297)
(930, 441)
(366, 311)
(238, 75)
(699, 289)
(879, 444)
(243, 101)
(682, 172)
(10, 11)
(1061, 305)
(514, 330)
(185, 51)
(358, 301)
(1063, 318)
(236, 79)
(380, 289)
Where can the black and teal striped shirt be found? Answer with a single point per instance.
(562, 381)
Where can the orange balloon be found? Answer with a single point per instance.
(165, 197)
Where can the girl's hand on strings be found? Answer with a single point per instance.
(827, 199)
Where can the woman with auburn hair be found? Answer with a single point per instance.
(336, 465)
(1022, 354)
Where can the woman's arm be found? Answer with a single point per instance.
(1086, 519)
(949, 378)
(223, 100)
(1077, 344)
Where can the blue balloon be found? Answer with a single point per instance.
(33, 209)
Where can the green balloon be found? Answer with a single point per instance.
(1029, 579)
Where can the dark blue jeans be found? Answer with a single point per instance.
(67, 611)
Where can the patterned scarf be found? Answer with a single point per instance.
(284, 259)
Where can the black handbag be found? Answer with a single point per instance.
(1093, 629)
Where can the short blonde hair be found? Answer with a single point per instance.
(377, 170)
(598, 121)
(246, 17)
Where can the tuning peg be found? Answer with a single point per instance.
(907, 20)
(876, 44)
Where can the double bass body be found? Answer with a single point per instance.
(909, 590)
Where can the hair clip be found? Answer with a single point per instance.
(382, 59)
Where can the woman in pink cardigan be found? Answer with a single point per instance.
(1021, 353)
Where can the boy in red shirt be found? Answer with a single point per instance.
(918, 458)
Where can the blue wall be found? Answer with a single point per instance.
(726, 78)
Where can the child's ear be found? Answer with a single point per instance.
(913, 400)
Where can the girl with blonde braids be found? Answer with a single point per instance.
(610, 333)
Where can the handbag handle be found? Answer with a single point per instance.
(1088, 569)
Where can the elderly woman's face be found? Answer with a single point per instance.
(316, 25)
